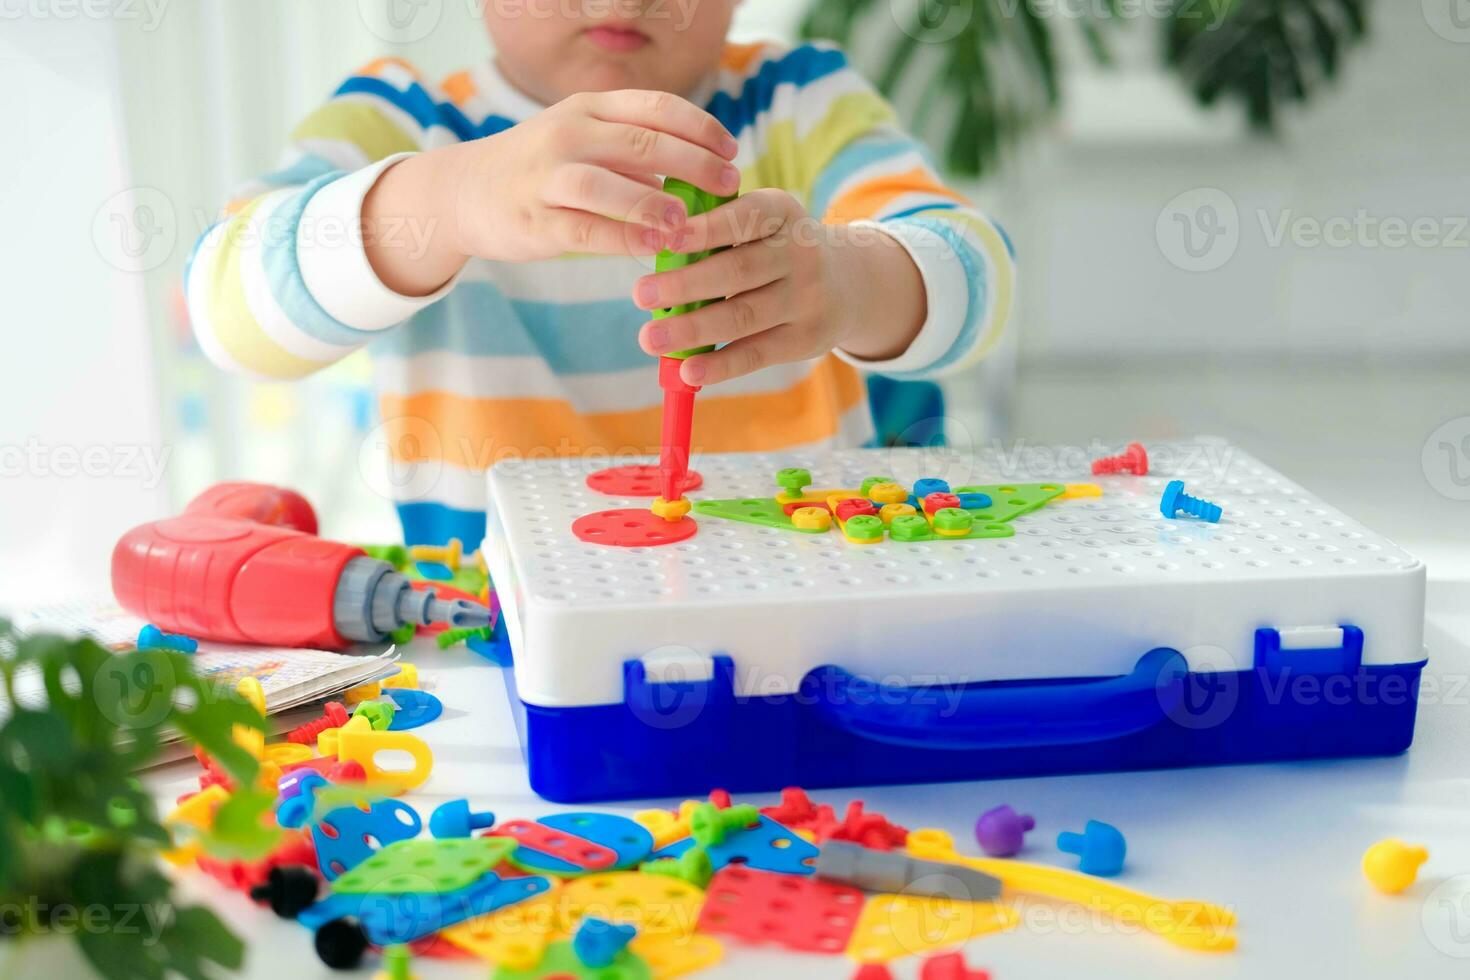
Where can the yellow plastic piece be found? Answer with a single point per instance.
(888, 512)
(888, 493)
(354, 696)
(1075, 491)
(853, 540)
(671, 510)
(815, 497)
(407, 678)
(657, 904)
(835, 497)
(811, 518)
(284, 754)
(514, 937)
(892, 926)
(252, 740)
(448, 555)
(197, 812)
(327, 741)
(665, 826)
(1192, 925)
(1391, 865)
(675, 956)
(363, 747)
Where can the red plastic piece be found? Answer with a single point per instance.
(871, 830)
(333, 771)
(854, 507)
(637, 481)
(295, 848)
(873, 971)
(335, 717)
(939, 501)
(797, 811)
(257, 503)
(949, 966)
(1133, 460)
(586, 854)
(720, 798)
(630, 528)
(678, 423)
(805, 914)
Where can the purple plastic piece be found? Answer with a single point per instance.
(1001, 832)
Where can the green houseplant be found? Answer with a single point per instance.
(79, 837)
(985, 70)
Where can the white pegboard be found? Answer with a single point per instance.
(1084, 588)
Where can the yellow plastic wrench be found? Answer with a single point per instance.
(1197, 926)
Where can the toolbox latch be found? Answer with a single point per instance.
(666, 689)
(1310, 649)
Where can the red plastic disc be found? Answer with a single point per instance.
(636, 481)
(631, 528)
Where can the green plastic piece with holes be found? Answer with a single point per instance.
(560, 960)
(427, 866)
(1009, 501)
(752, 510)
(696, 202)
(693, 866)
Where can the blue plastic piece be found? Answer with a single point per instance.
(297, 797)
(342, 835)
(766, 846)
(150, 637)
(456, 819)
(1100, 847)
(1346, 659)
(928, 485)
(974, 500)
(598, 942)
(629, 839)
(415, 708)
(1175, 499)
(390, 919)
(703, 735)
(497, 648)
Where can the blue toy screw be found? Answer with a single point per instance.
(1175, 500)
(456, 819)
(598, 942)
(928, 485)
(1100, 846)
(150, 637)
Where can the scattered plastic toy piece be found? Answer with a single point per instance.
(150, 637)
(671, 510)
(397, 964)
(288, 889)
(407, 678)
(658, 906)
(1100, 848)
(793, 482)
(894, 926)
(293, 850)
(709, 824)
(515, 936)
(577, 843)
(863, 529)
(379, 714)
(898, 873)
(1391, 865)
(950, 966)
(632, 528)
(1133, 460)
(674, 956)
(811, 518)
(433, 866)
(341, 836)
(449, 638)
(598, 942)
(693, 866)
(448, 555)
(765, 846)
(761, 907)
(928, 485)
(560, 962)
(363, 748)
(456, 819)
(639, 480)
(334, 716)
(1001, 832)
(872, 971)
(1175, 499)
(415, 708)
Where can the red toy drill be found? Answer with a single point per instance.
(243, 564)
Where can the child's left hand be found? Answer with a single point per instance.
(793, 287)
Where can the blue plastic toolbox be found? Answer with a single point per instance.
(1094, 635)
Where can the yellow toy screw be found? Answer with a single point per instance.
(1391, 865)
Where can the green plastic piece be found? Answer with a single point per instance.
(394, 554)
(696, 201)
(404, 634)
(910, 527)
(378, 713)
(426, 865)
(397, 963)
(953, 519)
(752, 510)
(560, 961)
(693, 866)
(709, 824)
(450, 638)
(1009, 501)
(873, 481)
(864, 527)
(793, 481)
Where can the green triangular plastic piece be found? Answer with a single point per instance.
(751, 510)
(432, 866)
(1009, 501)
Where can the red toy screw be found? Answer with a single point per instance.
(335, 717)
(1133, 460)
(950, 966)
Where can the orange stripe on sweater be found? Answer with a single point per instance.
(376, 66)
(477, 432)
(460, 87)
(738, 56)
(869, 198)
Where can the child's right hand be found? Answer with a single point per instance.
(583, 176)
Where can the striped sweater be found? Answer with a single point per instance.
(541, 358)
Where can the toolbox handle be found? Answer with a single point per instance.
(1003, 714)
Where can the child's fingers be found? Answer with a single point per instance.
(583, 187)
(757, 215)
(666, 112)
(745, 356)
(738, 317)
(582, 231)
(728, 273)
(638, 149)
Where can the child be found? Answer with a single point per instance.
(492, 239)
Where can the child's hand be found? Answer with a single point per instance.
(581, 177)
(796, 289)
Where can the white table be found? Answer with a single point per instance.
(1280, 844)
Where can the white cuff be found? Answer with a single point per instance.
(945, 286)
(334, 265)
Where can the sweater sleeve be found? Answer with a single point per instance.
(281, 286)
(852, 163)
